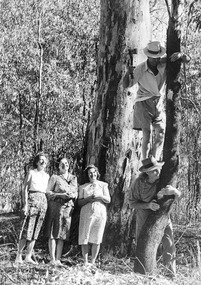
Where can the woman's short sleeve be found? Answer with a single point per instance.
(51, 184)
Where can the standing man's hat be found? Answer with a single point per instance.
(154, 50)
(151, 163)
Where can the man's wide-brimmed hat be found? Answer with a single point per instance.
(154, 50)
(150, 163)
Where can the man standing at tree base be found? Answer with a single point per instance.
(143, 198)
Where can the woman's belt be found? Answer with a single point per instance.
(64, 201)
(35, 191)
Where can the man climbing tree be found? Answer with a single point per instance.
(154, 227)
(149, 110)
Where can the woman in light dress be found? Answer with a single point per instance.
(92, 198)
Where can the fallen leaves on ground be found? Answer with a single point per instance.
(112, 272)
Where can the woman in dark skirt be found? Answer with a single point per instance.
(61, 193)
(34, 207)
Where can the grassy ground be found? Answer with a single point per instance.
(110, 271)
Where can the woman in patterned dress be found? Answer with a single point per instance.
(61, 194)
(34, 207)
(92, 198)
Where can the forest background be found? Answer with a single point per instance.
(48, 72)
(48, 83)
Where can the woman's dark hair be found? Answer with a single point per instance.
(37, 158)
(59, 160)
(87, 169)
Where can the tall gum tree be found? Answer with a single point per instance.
(111, 143)
(153, 230)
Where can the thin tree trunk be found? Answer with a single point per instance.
(21, 125)
(112, 145)
(153, 229)
(37, 145)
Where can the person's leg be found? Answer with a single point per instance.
(52, 248)
(40, 212)
(30, 246)
(85, 251)
(145, 143)
(21, 246)
(31, 234)
(59, 249)
(142, 120)
(94, 252)
(159, 141)
(169, 251)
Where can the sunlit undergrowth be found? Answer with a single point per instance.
(110, 270)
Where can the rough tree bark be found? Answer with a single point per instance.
(152, 232)
(111, 143)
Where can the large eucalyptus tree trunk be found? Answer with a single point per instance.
(112, 145)
(153, 230)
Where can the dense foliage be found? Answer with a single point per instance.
(191, 122)
(48, 65)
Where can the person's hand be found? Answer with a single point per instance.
(172, 191)
(25, 209)
(62, 195)
(72, 195)
(178, 55)
(97, 197)
(161, 193)
(90, 199)
(175, 56)
(153, 206)
(51, 196)
(168, 190)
